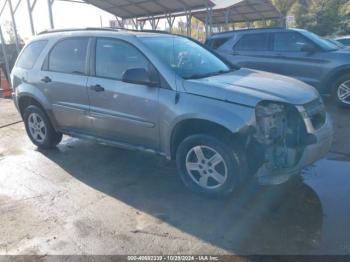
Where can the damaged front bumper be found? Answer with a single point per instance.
(323, 137)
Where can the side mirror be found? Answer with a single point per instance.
(308, 48)
(138, 76)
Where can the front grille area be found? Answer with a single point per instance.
(315, 110)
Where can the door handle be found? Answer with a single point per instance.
(97, 88)
(46, 79)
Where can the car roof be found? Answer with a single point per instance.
(252, 30)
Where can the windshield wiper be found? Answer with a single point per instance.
(198, 76)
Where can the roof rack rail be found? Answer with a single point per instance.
(115, 29)
(75, 29)
(250, 29)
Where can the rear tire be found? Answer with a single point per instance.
(341, 90)
(208, 166)
(40, 129)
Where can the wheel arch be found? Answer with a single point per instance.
(27, 99)
(191, 126)
(334, 75)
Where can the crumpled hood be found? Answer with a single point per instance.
(249, 87)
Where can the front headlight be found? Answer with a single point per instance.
(314, 114)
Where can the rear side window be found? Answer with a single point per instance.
(215, 43)
(69, 56)
(289, 42)
(30, 54)
(253, 42)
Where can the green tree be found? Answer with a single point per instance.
(323, 16)
(300, 11)
(344, 12)
(283, 5)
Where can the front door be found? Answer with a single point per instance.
(290, 59)
(253, 51)
(125, 112)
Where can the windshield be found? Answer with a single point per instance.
(323, 43)
(187, 58)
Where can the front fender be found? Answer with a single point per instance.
(233, 117)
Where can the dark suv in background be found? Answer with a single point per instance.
(293, 52)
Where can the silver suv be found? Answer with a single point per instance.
(168, 95)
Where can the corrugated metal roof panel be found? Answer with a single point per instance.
(240, 11)
(145, 8)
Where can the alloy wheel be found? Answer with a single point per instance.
(37, 127)
(343, 92)
(206, 167)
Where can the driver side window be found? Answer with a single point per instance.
(114, 57)
(290, 42)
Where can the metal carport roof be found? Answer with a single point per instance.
(147, 8)
(229, 11)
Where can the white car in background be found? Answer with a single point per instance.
(345, 40)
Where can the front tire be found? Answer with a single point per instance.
(341, 90)
(208, 166)
(40, 129)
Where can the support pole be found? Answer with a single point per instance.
(3, 8)
(207, 20)
(211, 20)
(120, 22)
(142, 24)
(284, 22)
(171, 21)
(16, 7)
(14, 26)
(189, 23)
(226, 19)
(30, 13)
(49, 4)
(135, 23)
(3, 48)
(154, 23)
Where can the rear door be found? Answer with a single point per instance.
(289, 58)
(253, 50)
(64, 78)
(124, 112)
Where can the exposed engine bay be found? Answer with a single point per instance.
(278, 140)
